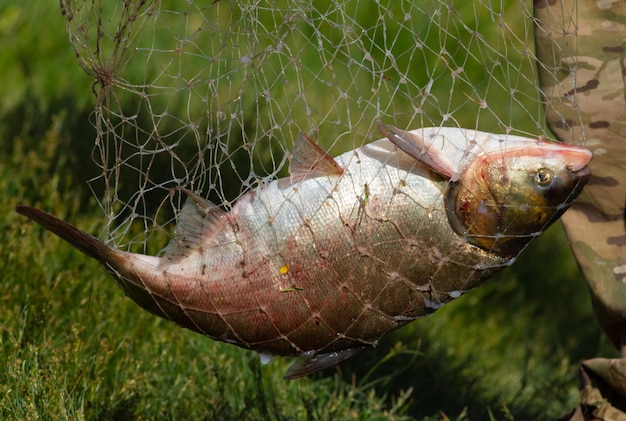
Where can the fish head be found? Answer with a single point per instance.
(506, 196)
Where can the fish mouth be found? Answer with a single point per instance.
(577, 159)
(583, 173)
(577, 162)
(579, 180)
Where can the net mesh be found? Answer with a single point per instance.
(212, 96)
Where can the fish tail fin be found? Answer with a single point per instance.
(82, 241)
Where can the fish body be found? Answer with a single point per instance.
(322, 264)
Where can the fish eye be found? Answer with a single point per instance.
(544, 177)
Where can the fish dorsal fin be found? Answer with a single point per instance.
(414, 145)
(197, 221)
(308, 160)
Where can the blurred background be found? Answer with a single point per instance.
(101, 120)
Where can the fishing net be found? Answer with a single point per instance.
(211, 96)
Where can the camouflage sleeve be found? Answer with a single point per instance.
(580, 51)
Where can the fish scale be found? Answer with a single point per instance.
(326, 262)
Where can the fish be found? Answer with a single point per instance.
(323, 263)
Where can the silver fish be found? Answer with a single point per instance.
(322, 264)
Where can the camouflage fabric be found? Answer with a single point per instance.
(581, 59)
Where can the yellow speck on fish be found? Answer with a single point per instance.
(291, 289)
(283, 269)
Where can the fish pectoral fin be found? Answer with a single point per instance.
(308, 160)
(197, 220)
(415, 146)
(313, 362)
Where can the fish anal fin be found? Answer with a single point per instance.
(205, 206)
(198, 220)
(308, 160)
(415, 146)
(310, 364)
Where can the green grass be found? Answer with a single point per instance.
(73, 347)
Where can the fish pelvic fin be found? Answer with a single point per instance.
(312, 362)
(416, 146)
(82, 241)
(308, 160)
